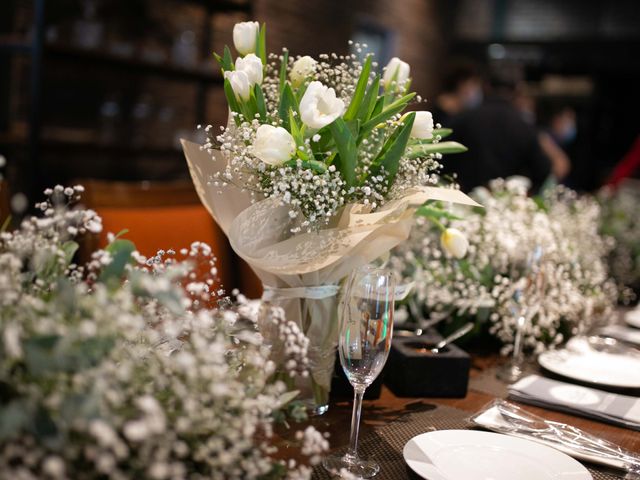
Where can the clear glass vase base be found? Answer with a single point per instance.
(360, 468)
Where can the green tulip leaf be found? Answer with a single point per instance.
(261, 105)
(347, 151)
(287, 103)
(369, 102)
(393, 149)
(420, 150)
(388, 112)
(283, 69)
(359, 93)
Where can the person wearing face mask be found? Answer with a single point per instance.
(500, 142)
(461, 90)
(559, 133)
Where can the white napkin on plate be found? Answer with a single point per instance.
(621, 410)
(620, 332)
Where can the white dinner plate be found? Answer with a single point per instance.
(579, 362)
(474, 455)
(632, 317)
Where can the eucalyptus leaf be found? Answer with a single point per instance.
(51, 353)
(69, 248)
(15, 417)
(120, 251)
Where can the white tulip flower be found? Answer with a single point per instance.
(320, 106)
(454, 242)
(302, 69)
(397, 68)
(252, 66)
(245, 36)
(422, 126)
(240, 84)
(273, 145)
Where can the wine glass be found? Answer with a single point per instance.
(366, 328)
(525, 304)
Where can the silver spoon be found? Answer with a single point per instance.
(453, 337)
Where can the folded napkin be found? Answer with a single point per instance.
(491, 419)
(632, 317)
(619, 332)
(621, 410)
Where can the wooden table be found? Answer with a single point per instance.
(389, 408)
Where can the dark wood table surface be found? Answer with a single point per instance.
(389, 407)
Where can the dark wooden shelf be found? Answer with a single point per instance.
(116, 149)
(102, 58)
(222, 6)
(54, 144)
(14, 44)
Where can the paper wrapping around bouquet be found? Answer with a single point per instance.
(260, 233)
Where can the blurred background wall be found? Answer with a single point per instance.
(104, 89)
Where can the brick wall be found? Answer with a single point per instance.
(316, 26)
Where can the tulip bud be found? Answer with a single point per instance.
(245, 35)
(239, 83)
(454, 242)
(397, 68)
(273, 145)
(302, 69)
(422, 126)
(320, 106)
(252, 66)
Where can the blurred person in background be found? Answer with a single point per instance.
(461, 90)
(559, 130)
(500, 142)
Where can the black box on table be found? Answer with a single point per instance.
(413, 371)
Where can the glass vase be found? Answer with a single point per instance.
(317, 318)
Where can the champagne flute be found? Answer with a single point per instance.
(525, 304)
(366, 328)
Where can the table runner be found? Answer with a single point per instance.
(384, 443)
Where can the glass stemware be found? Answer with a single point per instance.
(366, 328)
(525, 304)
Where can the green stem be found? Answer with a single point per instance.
(438, 224)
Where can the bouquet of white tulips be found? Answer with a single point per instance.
(319, 134)
(317, 172)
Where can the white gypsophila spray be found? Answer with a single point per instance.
(481, 286)
(112, 370)
(619, 220)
